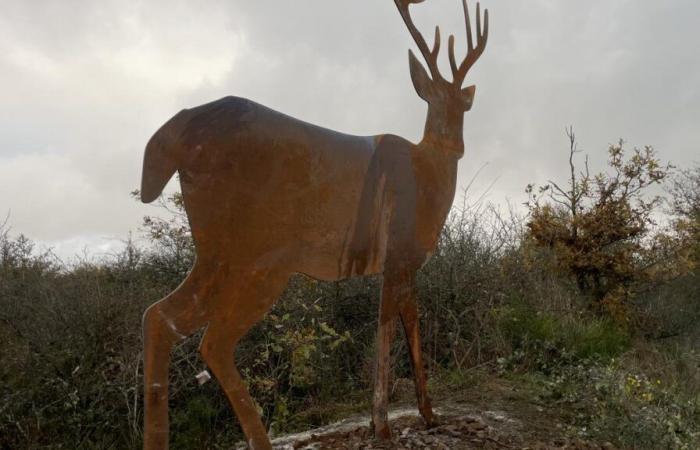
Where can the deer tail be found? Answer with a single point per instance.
(160, 159)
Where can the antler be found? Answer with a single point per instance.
(430, 56)
(473, 53)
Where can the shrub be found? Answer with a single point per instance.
(596, 225)
(541, 341)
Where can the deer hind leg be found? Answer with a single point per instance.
(246, 307)
(165, 323)
(398, 300)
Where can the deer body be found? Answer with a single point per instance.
(314, 199)
(268, 196)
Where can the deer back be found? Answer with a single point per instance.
(272, 189)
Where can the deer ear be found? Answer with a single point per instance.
(421, 81)
(467, 96)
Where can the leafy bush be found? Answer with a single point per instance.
(541, 340)
(618, 402)
(597, 226)
(595, 338)
(70, 363)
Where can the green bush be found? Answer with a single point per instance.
(521, 325)
(618, 402)
(539, 340)
(594, 338)
(70, 363)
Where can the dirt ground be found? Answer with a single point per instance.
(495, 416)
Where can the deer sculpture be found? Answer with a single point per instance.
(268, 196)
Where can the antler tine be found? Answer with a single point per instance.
(451, 53)
(473, 53)
(429, 56)
(436, 45)
(467, 20)
(478, 22)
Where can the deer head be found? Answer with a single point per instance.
(447, 100)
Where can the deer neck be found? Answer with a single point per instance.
(435, 160)
(437, 155)
(443, 133)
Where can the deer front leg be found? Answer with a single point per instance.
(246, 301)
(411, 325)
(217, 350)
(388, 313)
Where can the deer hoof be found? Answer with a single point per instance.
(382, 432)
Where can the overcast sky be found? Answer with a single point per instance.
(84, 84)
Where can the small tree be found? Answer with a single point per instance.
(685, 207)
(596, 225)
(173, 247)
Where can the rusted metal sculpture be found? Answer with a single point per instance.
(268, 195)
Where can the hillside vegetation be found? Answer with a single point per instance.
(585, 307)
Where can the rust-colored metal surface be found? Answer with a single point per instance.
(268, 196)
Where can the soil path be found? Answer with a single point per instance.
(460, 427)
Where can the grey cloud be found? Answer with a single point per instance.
(84, 84)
